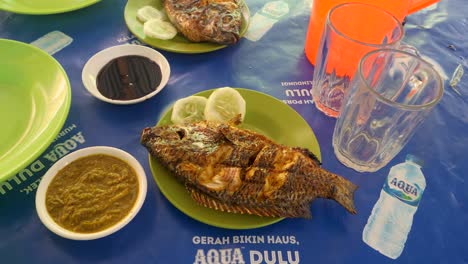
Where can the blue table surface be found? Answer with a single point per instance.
(276, 65)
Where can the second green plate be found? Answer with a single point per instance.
(178, 44)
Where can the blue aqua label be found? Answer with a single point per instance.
(52, 42)
(406, 192)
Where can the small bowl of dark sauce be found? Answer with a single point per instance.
(126, 74)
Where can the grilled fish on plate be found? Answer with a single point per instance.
(230, 169)
(217, 21)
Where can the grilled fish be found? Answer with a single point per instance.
(236, 170)
(217, 21)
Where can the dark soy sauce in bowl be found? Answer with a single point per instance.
(128, 78)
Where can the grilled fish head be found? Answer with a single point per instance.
(161, 135)
(197, 137)
(173, 145)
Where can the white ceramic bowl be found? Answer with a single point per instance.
(50, 174)
(100, 59)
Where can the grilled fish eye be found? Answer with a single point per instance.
(181, 133)
(227, 18)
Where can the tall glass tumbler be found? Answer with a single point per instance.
(391, 94)
(351, 30)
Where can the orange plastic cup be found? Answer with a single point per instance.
(351, 30)
(320, 8)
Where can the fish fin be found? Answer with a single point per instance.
(309, 154)
(236, 120)
(343, 193)
(203, 199)
(244, 137)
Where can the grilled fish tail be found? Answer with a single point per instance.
(343, 193)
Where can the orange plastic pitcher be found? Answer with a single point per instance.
(320, 8)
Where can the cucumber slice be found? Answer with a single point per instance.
(147, 13)
(189, 109)
(224, 104)
(155, 28)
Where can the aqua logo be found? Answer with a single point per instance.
(219, 256)
(404, 186)
(408, 193)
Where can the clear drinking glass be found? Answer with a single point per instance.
(391, 94)
(351, 30)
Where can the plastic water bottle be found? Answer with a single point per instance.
(392, 216)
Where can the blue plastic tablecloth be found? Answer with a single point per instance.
(275, 64)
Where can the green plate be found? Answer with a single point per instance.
(278, 121)
(44, 7)
(34, 102)
(179, 43)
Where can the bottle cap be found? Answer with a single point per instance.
(415, 159)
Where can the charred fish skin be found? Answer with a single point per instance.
(217, 21)
(236, 170)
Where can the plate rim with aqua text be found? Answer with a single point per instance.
(179, 44)
(259, 119)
